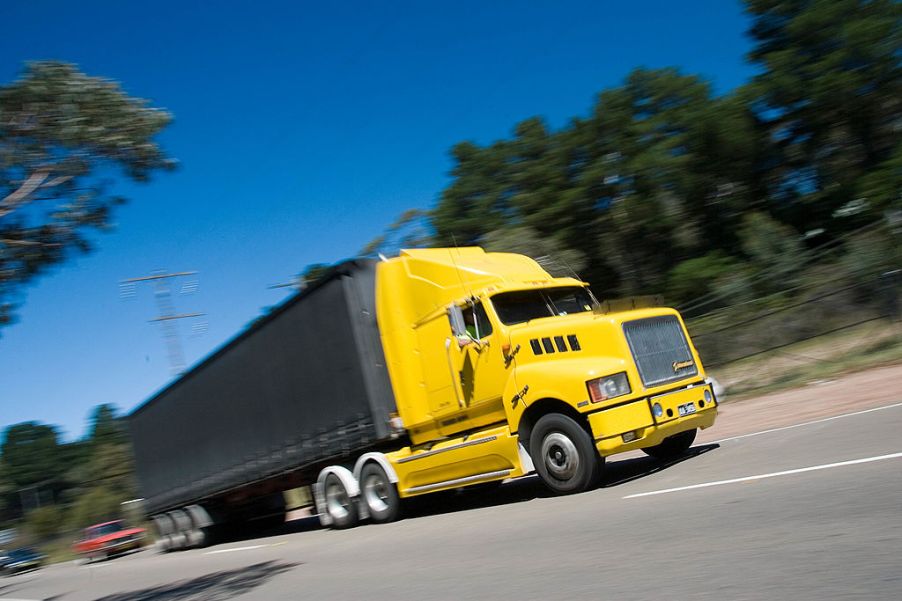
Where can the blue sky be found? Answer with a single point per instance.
(302, 130)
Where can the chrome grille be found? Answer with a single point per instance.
(660, 349)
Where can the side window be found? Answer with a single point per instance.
(478, 324)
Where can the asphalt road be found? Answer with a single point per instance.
(809, 512)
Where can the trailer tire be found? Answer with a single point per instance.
(342, 508)
(672, 446)
(379, 493)
(564, 455)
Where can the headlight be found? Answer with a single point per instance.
(608, 387)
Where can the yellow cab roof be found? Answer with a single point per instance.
(439, 276)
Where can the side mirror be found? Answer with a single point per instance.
(459, 326)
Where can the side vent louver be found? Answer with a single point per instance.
(547, 346)
(574, 342)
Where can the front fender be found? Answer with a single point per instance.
(558, 378)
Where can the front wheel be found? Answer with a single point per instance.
(672, 446)
(564, 455)
(379, 494)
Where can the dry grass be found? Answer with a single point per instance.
(869, 345)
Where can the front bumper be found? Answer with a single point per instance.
(632, 425)
(22, 566)
(121, 546)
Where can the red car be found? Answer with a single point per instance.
(110, 538)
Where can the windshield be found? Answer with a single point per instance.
(523, 305)
(106, 529)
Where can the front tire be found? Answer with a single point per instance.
(339, 504)
(564, 455)
(672, 447)
(379, 494)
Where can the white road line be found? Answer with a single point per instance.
(249, 548)
(802, 470)
(817, 421)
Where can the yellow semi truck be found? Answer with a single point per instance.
(434, 370)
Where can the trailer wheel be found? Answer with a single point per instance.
(672, 446)
(564, 454)
(379, 494)
(339, 504)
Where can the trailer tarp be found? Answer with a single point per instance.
(301, 385)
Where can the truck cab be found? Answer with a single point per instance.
(499, 368)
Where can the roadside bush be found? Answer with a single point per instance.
(773, 248)
(44, 522)
(698, 277)
(869, 255)
(97, 505)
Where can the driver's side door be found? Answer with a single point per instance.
(483, 370)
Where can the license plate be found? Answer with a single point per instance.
(686, 409)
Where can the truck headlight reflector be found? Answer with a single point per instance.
(657, 409)
(608, 387)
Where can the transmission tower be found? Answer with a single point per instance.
(167, 317)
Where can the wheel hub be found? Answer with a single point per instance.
(560, 456)
(337, 500)
(375, 493)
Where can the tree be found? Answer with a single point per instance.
(104, 476)
(555, 258)
(830, 96)
(659, 160)
(31, 454)
(411, 229)
(647, 173)
(664, 177)
(106, 426)
(774, 251)
(61, 134)
(699, 277)
(881, 188)
(102, 483)
(33, 463)
(98, 504)
(477, 201)
(6, 489)
(44, 522)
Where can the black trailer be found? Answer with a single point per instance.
(301, 387)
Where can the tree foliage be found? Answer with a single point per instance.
(44, 522)
(700, 276)
(31, 453)
(106, 477)
(63, 137)
(106, 427)
(97, 504)
(556, 258)
(829, 96)
(664, 181)
(659, 160)
(56, 485)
